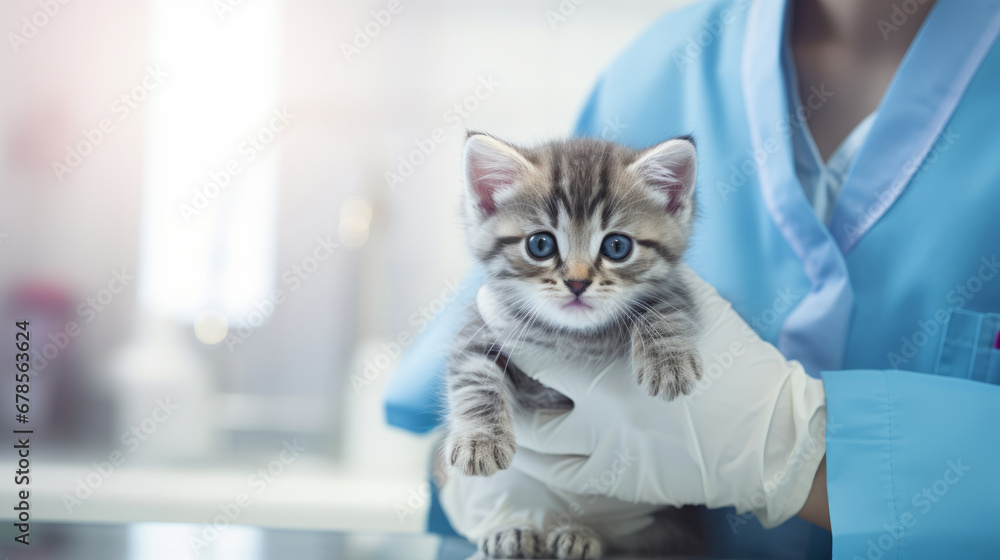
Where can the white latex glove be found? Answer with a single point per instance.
(750, 435)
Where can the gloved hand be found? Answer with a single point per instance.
(750, 435)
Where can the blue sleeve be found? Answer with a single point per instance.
(585, 124)
(412, 397)
(912, 465)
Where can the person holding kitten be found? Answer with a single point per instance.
(793, 321)
(587, 311)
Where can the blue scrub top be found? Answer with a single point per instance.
(895, 302)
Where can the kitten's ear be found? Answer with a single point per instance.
(491, 167)
(670, 168)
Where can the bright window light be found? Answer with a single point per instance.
(211, 176)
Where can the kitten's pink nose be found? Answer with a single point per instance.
(577, 286)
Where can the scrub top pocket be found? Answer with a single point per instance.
(968, 348)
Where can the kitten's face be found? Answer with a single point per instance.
(579, 235)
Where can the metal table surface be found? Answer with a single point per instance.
(176, 541)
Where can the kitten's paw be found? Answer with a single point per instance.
(481, 453)
(575, 543)
(519, 541)
(668, 372)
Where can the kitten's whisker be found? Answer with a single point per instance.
(506, 325)
(478, 315)
(521, 323)
(527, 325)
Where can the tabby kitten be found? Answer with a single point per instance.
(581, 240)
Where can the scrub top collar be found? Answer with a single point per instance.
(914, 112)
(923, 94)
(815, 332)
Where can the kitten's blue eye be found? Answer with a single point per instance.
(616, 246)
(541, 245)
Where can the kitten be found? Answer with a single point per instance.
(581, 240)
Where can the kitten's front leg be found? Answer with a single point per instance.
(575, 542)
(519, 541)
(665, 355)
(480, 432)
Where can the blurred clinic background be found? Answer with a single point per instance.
(224, 219)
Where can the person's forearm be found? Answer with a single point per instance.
(817, 508)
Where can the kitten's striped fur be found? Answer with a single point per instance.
(579, 190)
